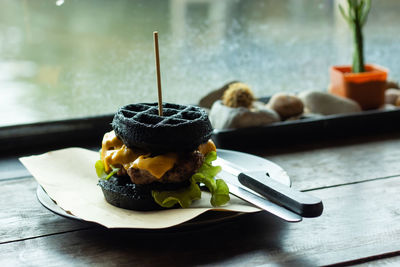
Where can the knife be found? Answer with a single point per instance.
(259, 181)
(258, 201)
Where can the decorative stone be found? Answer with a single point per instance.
(286, 105)
(391, 95)
(223, 117)
(327, 104)
(388, 107)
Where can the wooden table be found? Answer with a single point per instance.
(358, 180)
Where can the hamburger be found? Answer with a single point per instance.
(150, 162)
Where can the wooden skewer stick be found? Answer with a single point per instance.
(155, 35)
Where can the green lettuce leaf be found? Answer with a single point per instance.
(218, 188)
(101, 172)
(221, 194)
(184, 197)
(205, 175)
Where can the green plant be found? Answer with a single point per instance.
(356, 17)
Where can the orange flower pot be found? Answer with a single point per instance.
(367, 88)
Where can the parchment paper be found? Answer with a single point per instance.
(69, 178)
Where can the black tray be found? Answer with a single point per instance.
(308, 129)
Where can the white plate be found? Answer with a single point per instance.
(247, 161)
(250, 162)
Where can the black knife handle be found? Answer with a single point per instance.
(296, 201)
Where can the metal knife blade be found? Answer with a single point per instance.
(258, 201)
(296, 201)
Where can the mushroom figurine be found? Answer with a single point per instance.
(238, 108)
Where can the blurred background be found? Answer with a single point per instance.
(72, 58)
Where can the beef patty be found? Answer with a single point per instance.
(186, 165)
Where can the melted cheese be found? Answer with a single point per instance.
(114, 152)
(207, 147)
(157, 165)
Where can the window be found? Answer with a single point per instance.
(70, 58)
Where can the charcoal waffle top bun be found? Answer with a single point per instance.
(181, 128)
(147, 152)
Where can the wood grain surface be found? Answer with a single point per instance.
(355, 225)
(339, 162)
(358, 181)
(22, 216)
(11, 168)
